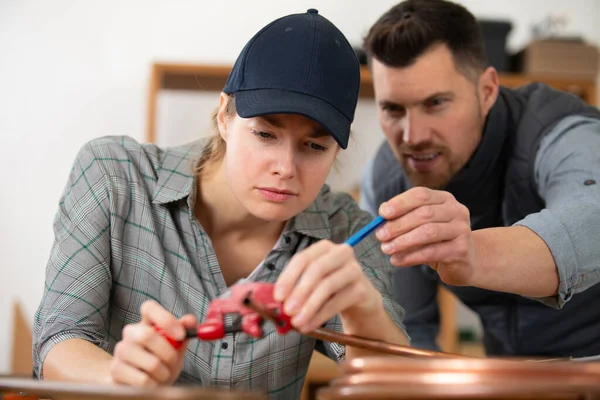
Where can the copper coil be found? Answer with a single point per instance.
(386, 378)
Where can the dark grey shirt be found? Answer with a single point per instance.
(567, 174)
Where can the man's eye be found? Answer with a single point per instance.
(437, 102)
(393, 109)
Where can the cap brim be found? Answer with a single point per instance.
(254, 103)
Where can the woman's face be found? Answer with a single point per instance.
(276, 164)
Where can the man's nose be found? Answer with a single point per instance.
(414, 130)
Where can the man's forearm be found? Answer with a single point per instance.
(77, 360)
(380, 327)
(515, 260)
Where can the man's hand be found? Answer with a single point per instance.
(429, 227)
(325, 280)
(144, 358)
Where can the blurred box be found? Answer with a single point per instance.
(554, 57)
(495, 33)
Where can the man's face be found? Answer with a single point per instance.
(431, 114)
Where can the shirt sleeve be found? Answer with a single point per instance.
(416, 289)
(567, 173)
(78, 278)
(376, 267)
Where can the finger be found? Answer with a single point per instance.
(444, 252)
(411, 199)
(125, 374)
(141, 359)
(292, 272)
(424, 235)
(336, 258)
(190, 324)
(348, 297)
(189, 321)
(147, 337)
(419, 216)
(154, 314)
(330, 286)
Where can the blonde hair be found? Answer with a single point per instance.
(215, 147)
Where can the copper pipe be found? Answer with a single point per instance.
(356, 341)
(377, 345)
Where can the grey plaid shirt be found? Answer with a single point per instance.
(125, 232)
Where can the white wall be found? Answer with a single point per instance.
(72, 71)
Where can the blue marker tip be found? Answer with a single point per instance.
(366, 231)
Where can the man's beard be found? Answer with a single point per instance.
(439, 177)
(437, 180)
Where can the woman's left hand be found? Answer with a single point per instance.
(322, 281)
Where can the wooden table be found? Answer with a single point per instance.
(31, 389)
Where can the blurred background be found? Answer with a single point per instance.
(73, 71)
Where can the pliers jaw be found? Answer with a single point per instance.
(207, 331)
(250, 322)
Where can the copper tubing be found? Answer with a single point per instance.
(389, 378)
(357, 341)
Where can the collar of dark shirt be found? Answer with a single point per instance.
(176, 180)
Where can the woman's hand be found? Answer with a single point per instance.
(322, 281)
(144, 358)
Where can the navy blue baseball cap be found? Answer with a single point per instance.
(298, 64)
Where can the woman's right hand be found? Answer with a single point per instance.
(144, 357)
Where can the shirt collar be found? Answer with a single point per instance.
(176, 176)
(314, 221)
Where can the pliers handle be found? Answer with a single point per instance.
(199, 333)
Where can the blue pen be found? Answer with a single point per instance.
(366, 231)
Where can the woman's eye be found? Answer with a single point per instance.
(263, 135)
(317, 147)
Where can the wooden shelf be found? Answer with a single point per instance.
(197, 77)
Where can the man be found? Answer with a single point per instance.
(495, 192)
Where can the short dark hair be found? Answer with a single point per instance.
(412, 27)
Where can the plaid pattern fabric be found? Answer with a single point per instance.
(125, 232)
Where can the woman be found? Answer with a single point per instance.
(147, 237)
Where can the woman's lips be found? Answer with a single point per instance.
(277, 195)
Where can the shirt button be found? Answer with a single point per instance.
(224, 345)
(270, 266)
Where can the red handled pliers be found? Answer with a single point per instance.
(235, 301)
